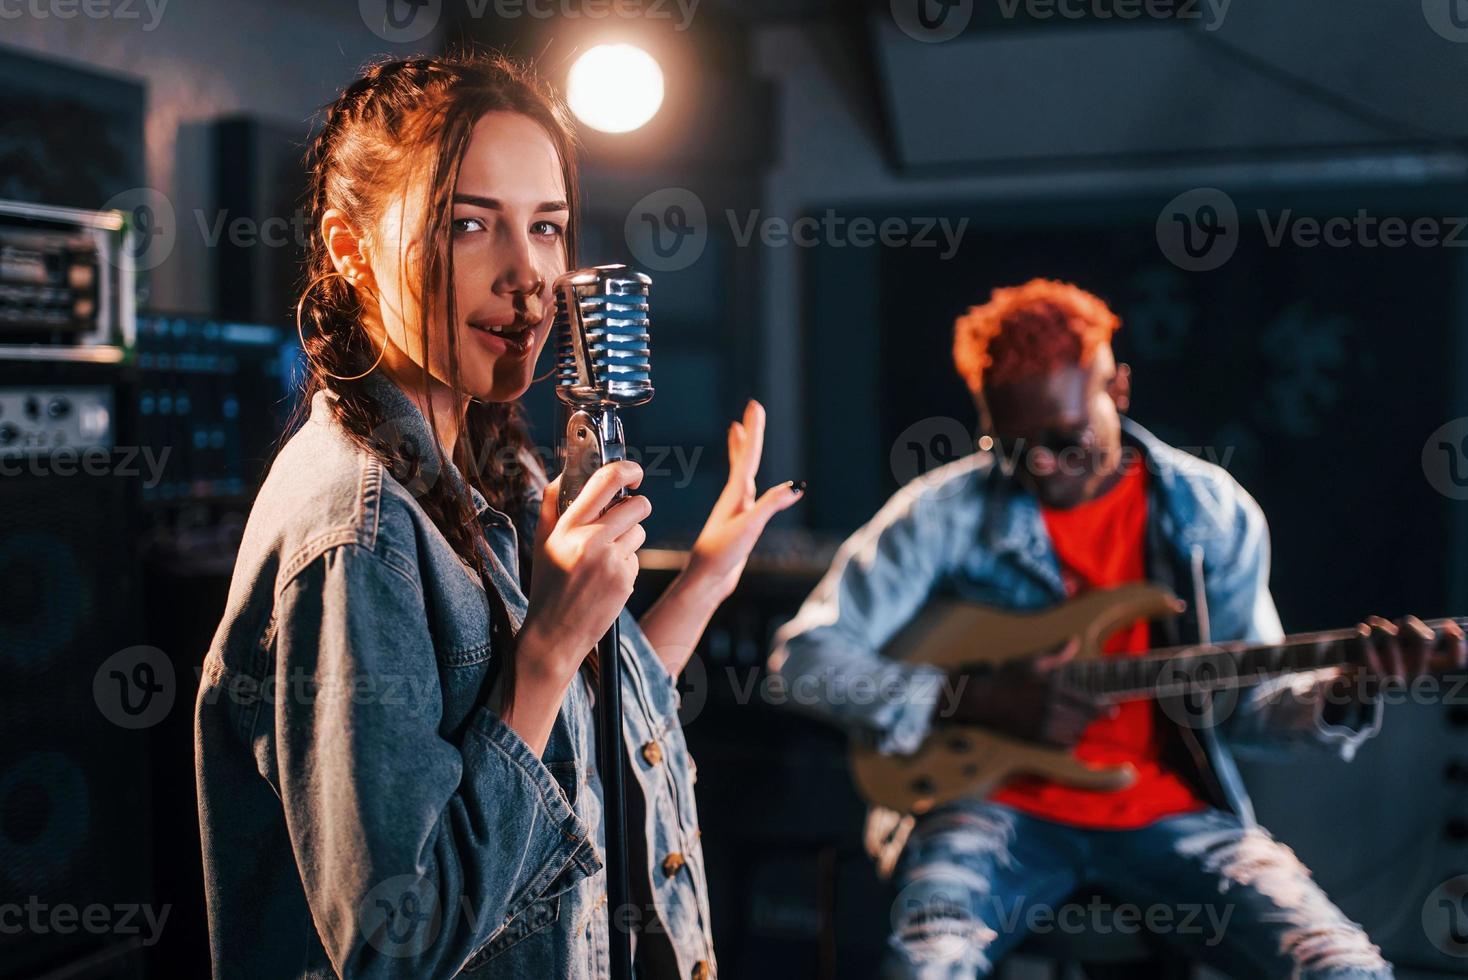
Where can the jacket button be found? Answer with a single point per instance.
(701, 970)
(653, 753)
(673, 863)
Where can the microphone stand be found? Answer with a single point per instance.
(593, 437)
(611, 751)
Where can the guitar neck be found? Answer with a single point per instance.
(1206, 668)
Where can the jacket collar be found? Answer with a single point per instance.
(1013, 524)
(1156, 454)
(406, 425)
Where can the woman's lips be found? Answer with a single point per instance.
(515, 338)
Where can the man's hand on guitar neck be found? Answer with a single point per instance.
(1395, 654)
(1022, 698)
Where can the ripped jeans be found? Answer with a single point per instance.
(976, 878)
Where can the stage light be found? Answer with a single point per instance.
(615, 88)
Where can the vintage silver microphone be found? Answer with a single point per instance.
(601, 366)
(601, 363)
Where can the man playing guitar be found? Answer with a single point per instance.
(1065, 496)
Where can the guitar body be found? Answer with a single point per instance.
(960, 762)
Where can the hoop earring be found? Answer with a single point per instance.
(301, 334)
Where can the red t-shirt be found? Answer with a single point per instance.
(1102, 543)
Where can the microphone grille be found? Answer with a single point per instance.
(601, 325)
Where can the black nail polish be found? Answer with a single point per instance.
(798, 486)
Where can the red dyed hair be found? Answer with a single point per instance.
(1029, 330)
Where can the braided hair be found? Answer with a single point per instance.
(402, 122)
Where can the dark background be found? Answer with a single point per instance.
(1317, 373)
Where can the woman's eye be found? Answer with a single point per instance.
(463, 225)
(547, 229)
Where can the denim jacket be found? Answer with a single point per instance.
(364, 812)
(965, 530)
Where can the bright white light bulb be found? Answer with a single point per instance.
(615, 88)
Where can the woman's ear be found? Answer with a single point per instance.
(1120, 388)
(344, 245)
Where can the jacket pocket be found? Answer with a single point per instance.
(567, 778)
(535, 918)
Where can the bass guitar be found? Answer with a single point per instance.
(963, 761)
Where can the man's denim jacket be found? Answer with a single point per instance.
(965, 530)
(364, 812)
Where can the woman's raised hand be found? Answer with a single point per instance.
(739, 516)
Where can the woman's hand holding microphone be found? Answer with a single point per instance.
(584, 569)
